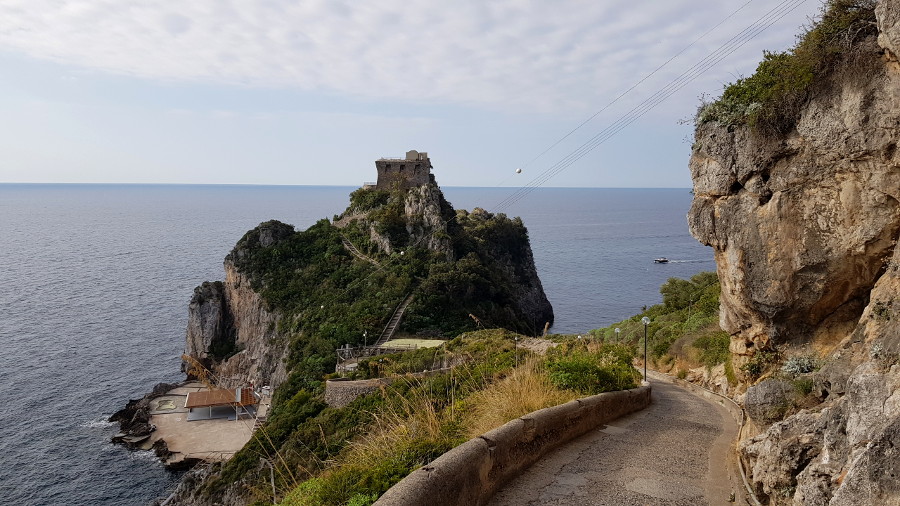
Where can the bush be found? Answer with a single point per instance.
(770, 99)
(681, 293)
(796, 366)
(713, 348)
(365, 199)
(590, 372)
(759, 363)
(803, 386)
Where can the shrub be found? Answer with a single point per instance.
(796, 366)
(681, 293)
(770, 99)
(365, 199)
(604, 369)
(759, 363)
(803, 386)
(713, 348)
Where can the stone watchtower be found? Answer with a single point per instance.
(414, 170)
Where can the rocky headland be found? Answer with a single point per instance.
(799, 196)
(291, 298)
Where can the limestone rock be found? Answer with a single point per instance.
(801, 225)
(207, 316)
(425, 221)
(232, 314)
(804, 229)
(888, 15)
(425, 213)
(768, 401)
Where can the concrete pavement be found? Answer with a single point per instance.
(674, 452)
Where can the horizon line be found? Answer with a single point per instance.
(20, 183)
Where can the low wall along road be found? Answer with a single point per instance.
(472, 472)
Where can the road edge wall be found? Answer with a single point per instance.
(472, 472)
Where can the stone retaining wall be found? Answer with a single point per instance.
(340, 391)
(472, 472)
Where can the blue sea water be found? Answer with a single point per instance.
(95, 282)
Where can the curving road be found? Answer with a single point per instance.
(674, 452)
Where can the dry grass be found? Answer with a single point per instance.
(394, 427)
(525, 390)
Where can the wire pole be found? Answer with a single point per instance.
(271, 477)
(646, 321)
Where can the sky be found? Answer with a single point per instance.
(295, 92)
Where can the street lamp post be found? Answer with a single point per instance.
(617, 333)
(646, 321)
(516, 349)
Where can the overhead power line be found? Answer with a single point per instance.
(635, 85)
(695, 71)
(692, 73)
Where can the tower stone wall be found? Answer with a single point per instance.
(412, 170)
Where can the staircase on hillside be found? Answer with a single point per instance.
(394, 322)
(358, 254)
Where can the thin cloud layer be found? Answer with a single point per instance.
(556, 55)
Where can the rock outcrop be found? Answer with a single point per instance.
(804, 228)
(134, 418)
(230, 327)
(290, 299)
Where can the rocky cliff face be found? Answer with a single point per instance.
(230, 328)
(421, 218)
(804, 228)
(240, 336)
(424, 214)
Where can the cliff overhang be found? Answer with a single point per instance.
(804, 222)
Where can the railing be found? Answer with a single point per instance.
(369, 351)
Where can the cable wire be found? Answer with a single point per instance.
(698, 69)
(635, 85)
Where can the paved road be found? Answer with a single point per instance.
(674, 452)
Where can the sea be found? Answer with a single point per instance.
(95, 282)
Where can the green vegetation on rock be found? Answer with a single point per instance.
(592, 370)
(352, 455)
(464, 271)
(770, 99)
(683, 328)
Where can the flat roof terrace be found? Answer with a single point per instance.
(204, 439)
(220, 397)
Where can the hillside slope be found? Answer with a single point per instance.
(290, 299)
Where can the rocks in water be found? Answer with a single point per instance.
(134, 418)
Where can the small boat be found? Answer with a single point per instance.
(661, 260)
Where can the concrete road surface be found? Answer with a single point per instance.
(674, 452)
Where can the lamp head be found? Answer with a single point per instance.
(645, 320)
